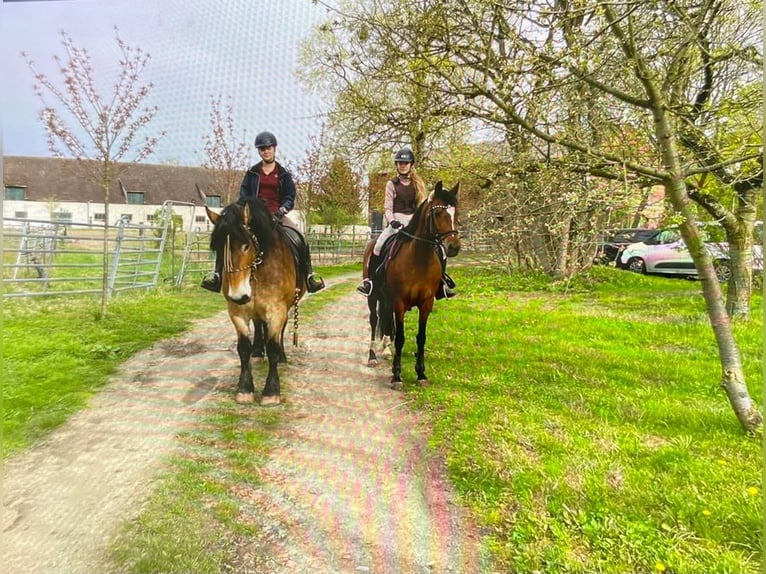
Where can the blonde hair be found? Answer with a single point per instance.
(420, 187)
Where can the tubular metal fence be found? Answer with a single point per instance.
(45, 258)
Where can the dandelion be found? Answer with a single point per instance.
(706, 512)
(752, 490)
(659, 567)
(721, 461)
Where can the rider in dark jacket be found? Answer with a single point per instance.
(274, 185)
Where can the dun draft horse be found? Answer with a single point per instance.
(261, 281)
(415, 259)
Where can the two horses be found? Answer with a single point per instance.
(414, 263)
(261, 281)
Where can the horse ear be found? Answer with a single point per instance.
(438, 188)
(212, 215)
(246, 214)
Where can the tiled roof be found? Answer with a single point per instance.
(46, 179)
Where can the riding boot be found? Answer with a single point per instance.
(213, 281)
(365, 287)
(445, 288)
(314, 283)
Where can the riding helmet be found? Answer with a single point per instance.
(265, 139)
(405, 154)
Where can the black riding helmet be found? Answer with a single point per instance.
(265, 139)
(405, 154)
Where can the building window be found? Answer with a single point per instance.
(98, 216)
(136, 197)
(200, 219)
(213, 201)
(62, 216)
(20, 215)
(150, 217)
(14, 192)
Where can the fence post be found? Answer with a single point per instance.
(116, 256)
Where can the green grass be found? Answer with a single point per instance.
(57, 353)
(588, 431)
(582, 423)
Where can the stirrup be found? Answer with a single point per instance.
(365, 287)
(314, 284)
(212, 283)
(444, 292)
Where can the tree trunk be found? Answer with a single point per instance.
(740, 286)
(733, 376)
(105, 267)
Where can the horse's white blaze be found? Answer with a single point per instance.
(240, 287)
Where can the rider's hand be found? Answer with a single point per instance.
(280, 213)
(396, 224)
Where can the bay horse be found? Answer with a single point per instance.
(260, 282)
(412, 275)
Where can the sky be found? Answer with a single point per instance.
(246, 49)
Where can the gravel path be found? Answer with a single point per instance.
(349, 488)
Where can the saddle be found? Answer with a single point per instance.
(388, 251)
(297, 244)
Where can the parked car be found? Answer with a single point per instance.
(613, 242)
(666, 253)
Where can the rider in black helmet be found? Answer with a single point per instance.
(272, 183)
(403, 194)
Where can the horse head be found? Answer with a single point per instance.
(242, 234)
(442, 214)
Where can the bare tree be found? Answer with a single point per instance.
(101, 131)
(227, 156)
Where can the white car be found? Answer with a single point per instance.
(666, 253)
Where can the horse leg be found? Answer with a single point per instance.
(259, 339)
(396, 368)
(372, 305)
(245, 389)
(270, 396)
(386, 318)
(282, 354)
(420, 356)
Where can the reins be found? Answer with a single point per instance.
(438, 237)
(228, 265)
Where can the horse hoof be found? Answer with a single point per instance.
(423, 382)
(270, 401)
(397, 385)
(372, 363)
(245, 398)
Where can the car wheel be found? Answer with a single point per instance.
(722, 270)
(637, 265)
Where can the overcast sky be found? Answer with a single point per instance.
(246, 49)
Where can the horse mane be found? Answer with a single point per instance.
(439, 192)
(230, 223)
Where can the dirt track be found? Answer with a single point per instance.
(349, 487)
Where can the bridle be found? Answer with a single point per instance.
(228, 265)
(431, 230)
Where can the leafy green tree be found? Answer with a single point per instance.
(338, 204)
(651, 70)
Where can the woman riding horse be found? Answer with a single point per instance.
(271, 182)
(261, 280)
(402, 195)
(412, 276)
